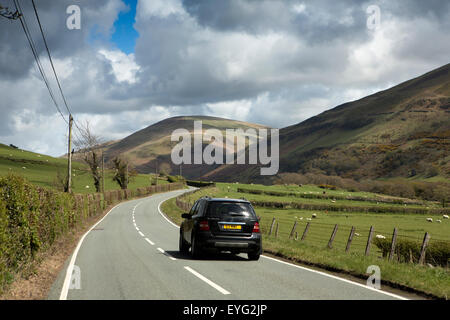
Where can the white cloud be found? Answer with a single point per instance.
(123, 65)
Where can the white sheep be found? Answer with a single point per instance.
(429, 219)
(301, 218)
(314, 215)
(87, 187)
(439, 221)
(445, 216)
(309, 219)
(357, 234)
(380, 236)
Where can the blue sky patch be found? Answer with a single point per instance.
(124, 36)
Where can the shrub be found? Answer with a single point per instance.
(438, 252)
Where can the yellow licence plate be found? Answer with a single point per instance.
(232, 227)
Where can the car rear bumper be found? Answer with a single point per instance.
(252, 243)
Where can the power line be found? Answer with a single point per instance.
(36, 56)
(50, 57)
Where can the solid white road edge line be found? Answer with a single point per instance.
(212, 284)
(337, 278)
(164, 216)
(300, 267)
(149, 241)
(66, 284)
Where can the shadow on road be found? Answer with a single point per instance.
(209, 256)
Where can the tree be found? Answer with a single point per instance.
(123, 172)
(89, 146)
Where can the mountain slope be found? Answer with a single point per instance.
(402, 131)
(150, 148)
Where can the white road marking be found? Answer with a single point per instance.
(164, 216)
(337, 278)
(212, 284)
(137, 228)
(149, 241)
(165, 253)
(69, 271)
(142, 235)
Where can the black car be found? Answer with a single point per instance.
(221, 225)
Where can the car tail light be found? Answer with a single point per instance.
(204, 226)
(256, 228)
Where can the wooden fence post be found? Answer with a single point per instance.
(293, 230)
(330, 243)
(271, 226)
(423, 250)
(350, 238)
(394, 241)
(296, 235)
(369, 241)
(276, 231)
(306, 231)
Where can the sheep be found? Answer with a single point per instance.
(429, 219)
(333, 201)
(439, 221)
(445, 216)
(380, 236)
(314, 215)
(87, 187)
(357, 234)
(301, 218)
(309, 219)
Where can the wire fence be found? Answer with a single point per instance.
(393, 245)
(396, 245)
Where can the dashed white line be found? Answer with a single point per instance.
(142, 235)
(212, 284)
(165, 253)
(150, 241)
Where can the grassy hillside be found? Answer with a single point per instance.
(401, 132)
(42, 170)
(150, 147)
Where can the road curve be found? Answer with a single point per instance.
(133, 254)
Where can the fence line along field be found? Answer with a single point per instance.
(340, 239)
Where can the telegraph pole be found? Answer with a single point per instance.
(69, 156)
(103, 173)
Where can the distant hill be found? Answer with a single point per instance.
(150, 148)
(403, 131)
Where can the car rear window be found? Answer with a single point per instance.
(227, 209)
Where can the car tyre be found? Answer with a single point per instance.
(195, 250)
(183, 246)
(253, 256)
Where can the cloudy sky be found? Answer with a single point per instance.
(136, 62)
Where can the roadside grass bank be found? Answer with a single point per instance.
(42, 170)
(429, 281)
(38, 227)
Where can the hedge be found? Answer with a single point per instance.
(329, 196)
(200, 184)
(32, 218)
(438, 252)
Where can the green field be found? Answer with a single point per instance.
(42, 170)
(314, 248)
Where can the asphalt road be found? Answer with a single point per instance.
(133, 254)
